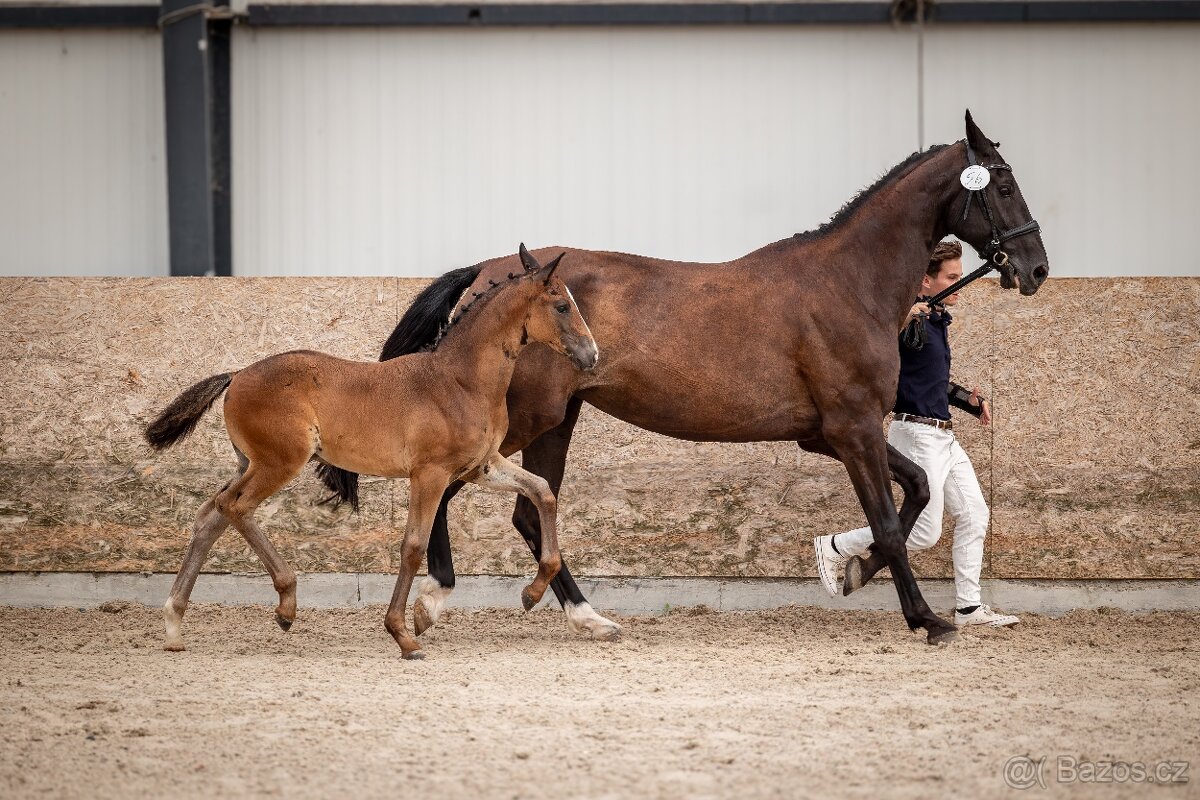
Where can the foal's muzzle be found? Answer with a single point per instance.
(584, 355)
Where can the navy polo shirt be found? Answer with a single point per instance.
(925, 373)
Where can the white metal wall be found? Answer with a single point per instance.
(82, 167)
(1100, 123)
(411, 152)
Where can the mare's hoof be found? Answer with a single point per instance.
(414, 655)
(854, 579)
(283, 621)
(174, 647)
(940, 636)
(527, 599)
(607, 633)
(422, 619)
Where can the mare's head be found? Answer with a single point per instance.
(994, 219)
(554, 319)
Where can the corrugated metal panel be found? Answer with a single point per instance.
(1100, 124)
(81, 154)
(410, 152)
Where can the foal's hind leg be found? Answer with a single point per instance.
(210, 524)
(501, 475)
(239, 501)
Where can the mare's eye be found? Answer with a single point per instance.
(1005, 190)
(562, 308)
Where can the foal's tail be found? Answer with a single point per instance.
(417, 330)
(180, 418)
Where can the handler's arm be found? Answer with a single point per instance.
(970, 401)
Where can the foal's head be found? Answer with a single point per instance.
(554, 319)
(1019, 254)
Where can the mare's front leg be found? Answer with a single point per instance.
(915, 485)
(501, 475)
(861, 448)
(424, 496)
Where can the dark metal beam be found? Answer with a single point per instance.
(845, 13)
(78, 16)
(196, 95)
(582, 14)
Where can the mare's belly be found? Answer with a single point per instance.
(710, 414)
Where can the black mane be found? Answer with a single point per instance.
(854, 203)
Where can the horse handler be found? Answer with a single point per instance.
(921, 429)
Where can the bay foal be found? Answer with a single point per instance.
(435, 417)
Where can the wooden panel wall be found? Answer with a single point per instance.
(1092, 467)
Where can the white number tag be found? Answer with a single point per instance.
(974, 178)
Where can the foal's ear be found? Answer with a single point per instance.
(527, 260)
(979, 143)
(553, 265)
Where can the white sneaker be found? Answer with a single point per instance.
(829, 562)
(985, 616)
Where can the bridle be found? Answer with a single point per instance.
(993, 255)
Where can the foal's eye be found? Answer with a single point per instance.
(1005, 190)
(562, 308)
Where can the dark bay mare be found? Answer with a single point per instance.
(795, 341)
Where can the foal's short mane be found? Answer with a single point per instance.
(854, 203)
(481, 298)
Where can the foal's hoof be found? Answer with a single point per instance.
(283, 621)
(174, 647)
(413, 655)
(942, 635)
(528, 600)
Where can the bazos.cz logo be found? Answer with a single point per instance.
(1024, 772)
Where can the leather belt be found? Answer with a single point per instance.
(944, 424)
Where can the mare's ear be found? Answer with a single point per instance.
(979, 143)
(527, 260)
(549, 268)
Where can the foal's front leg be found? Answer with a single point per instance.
(424, 495)
(501, 475)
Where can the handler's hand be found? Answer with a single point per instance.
(919, 308)
(986, 417)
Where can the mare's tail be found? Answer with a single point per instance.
(180, 418)
(417, 330)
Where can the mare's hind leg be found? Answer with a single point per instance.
(238, 503)
(915, 485)
(501, 475)
(546, 457)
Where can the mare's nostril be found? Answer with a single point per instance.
(1040, 273)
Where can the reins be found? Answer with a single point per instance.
(974, 179)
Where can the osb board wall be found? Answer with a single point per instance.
(1092, 467)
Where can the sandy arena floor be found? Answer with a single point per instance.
(798, 702)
